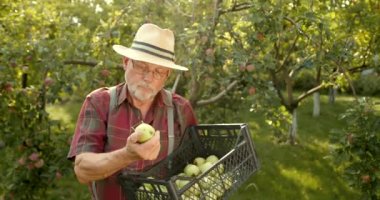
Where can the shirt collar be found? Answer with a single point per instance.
(159, 99)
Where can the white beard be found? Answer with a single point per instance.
(137, 91)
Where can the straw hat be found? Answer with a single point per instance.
(152, 44)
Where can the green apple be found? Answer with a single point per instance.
(199, 161)
(211, 196)
(194, 190)
(163, 189)
(212, 159)
(205, 166)
(228, 181)
(185, 197)
(206, 182)
(182, 174)
(192, 170)
(218, 189)
(220, 168)
(145, 132)
(148, 186)
(181, 183)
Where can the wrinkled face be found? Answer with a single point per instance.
(144, 80)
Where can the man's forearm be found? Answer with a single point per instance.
(96, 166)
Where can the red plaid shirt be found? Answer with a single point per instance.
(91, 133)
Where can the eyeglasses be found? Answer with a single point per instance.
(142, 69)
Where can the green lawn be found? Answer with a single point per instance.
(304, 171)
(301, 172)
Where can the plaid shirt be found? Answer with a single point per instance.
(91, 134)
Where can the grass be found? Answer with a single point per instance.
(302, 172)
(68, 187)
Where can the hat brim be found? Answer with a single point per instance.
(146, 57)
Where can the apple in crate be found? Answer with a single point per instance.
(145, 132)
(219, 189)
(211, 196)
(212, 159)
(192, 170)
(205, 166)
(181, 183)
(198, 161)
(206, 182)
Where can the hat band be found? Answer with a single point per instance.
(153, 50)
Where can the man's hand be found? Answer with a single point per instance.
(96, 166)
(148, 150)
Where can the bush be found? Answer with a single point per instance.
(357, 148)
(305, 80)
(368, 85)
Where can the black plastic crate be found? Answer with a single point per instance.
(232, 143)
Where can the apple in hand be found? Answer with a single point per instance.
(145, 132)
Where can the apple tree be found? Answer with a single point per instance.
(288, 37)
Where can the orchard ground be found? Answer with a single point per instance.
(304, 171)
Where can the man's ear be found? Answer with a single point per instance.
(125, 63)
(170, 72)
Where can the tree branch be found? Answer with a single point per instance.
(237, 7)
(294, 71)
(344, 71)
(80, 62)
(88, 63)
(218, 96)
(358, 69)
(309, 92)
(235, 37)
(217, 14)
(278, 89)
(289, 52)
(297, 26)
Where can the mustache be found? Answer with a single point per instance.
(144, 84)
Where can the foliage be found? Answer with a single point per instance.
(276, 116)
(305, 80)
(60, 50)
(357, 148)
(33, 147)
(368, 85)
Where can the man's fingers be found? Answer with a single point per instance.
(157, 135)
(133, 138)
(154, 150)
(148, 150)
(154, 153)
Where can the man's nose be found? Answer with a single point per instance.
(148, 75)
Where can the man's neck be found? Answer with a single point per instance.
(143, 106)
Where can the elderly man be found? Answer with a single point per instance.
(105, 142)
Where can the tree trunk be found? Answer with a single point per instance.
(293, 128)
(317, 104)
(332, 94)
